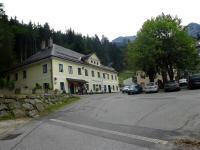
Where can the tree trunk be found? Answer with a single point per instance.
(171, 72)
(164, 76)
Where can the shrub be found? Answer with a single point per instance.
(2, 83)
(38, 86)
(10, 85)
(17, 91)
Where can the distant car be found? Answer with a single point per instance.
(125, 89)
(151, 87)
(194, 81)
(134, 89)
(183, 82)
(172, 86)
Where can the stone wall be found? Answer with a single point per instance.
(26, 105)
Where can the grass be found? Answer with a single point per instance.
(125, 74)
(7, 117)
(54, 107)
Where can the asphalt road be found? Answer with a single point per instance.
(114, 122)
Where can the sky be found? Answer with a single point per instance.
(111, 18)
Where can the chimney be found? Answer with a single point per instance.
(50, 42)
(43, 45)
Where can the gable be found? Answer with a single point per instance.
(94, 60)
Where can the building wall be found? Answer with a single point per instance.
(142, 79)
(34, 74)
(62, 76)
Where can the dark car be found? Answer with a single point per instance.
(194, 81)
(172, 86)
(134, 89)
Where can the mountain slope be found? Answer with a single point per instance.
(123, 41)
(194, 30)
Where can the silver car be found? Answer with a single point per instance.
(151, 88)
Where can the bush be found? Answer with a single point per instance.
(17, 91)
(7, 84)
(56, 91)
(2, 83)
(11, 85)
(38, 86)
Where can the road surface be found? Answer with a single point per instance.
(113, 122)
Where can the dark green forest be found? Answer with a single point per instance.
(19, 41)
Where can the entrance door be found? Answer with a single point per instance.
(62, 86)
(71, 88)
(109, 88)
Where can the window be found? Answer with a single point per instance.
(70, 70)
(105, 88)
(91, 61)
(24, 74)
(79, 71)
(46, 85)
(97, 63)
(104, 76)
(112, 77)
(94, 87)
(98, 74)
(62, 86)
(45, 68)
(99, 87)
(117, 88)
(86, 72)
(115, 77)
(92, 73)
(113, 88)
(60, 67)
(108, 76)
(16, 76)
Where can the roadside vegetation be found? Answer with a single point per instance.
(54, 107)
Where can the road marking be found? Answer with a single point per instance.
(137, 137)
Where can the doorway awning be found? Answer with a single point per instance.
(76, 80)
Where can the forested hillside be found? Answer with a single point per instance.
(18, 41)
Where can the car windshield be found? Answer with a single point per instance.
(171, 82)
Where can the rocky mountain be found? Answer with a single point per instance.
(194, 30)
(123, 41)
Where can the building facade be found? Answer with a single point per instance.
(59, 68)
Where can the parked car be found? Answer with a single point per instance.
(151, 87)
(172, 86)
(194, 81)
(135, 89)
(183, 82)
(125, 89)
